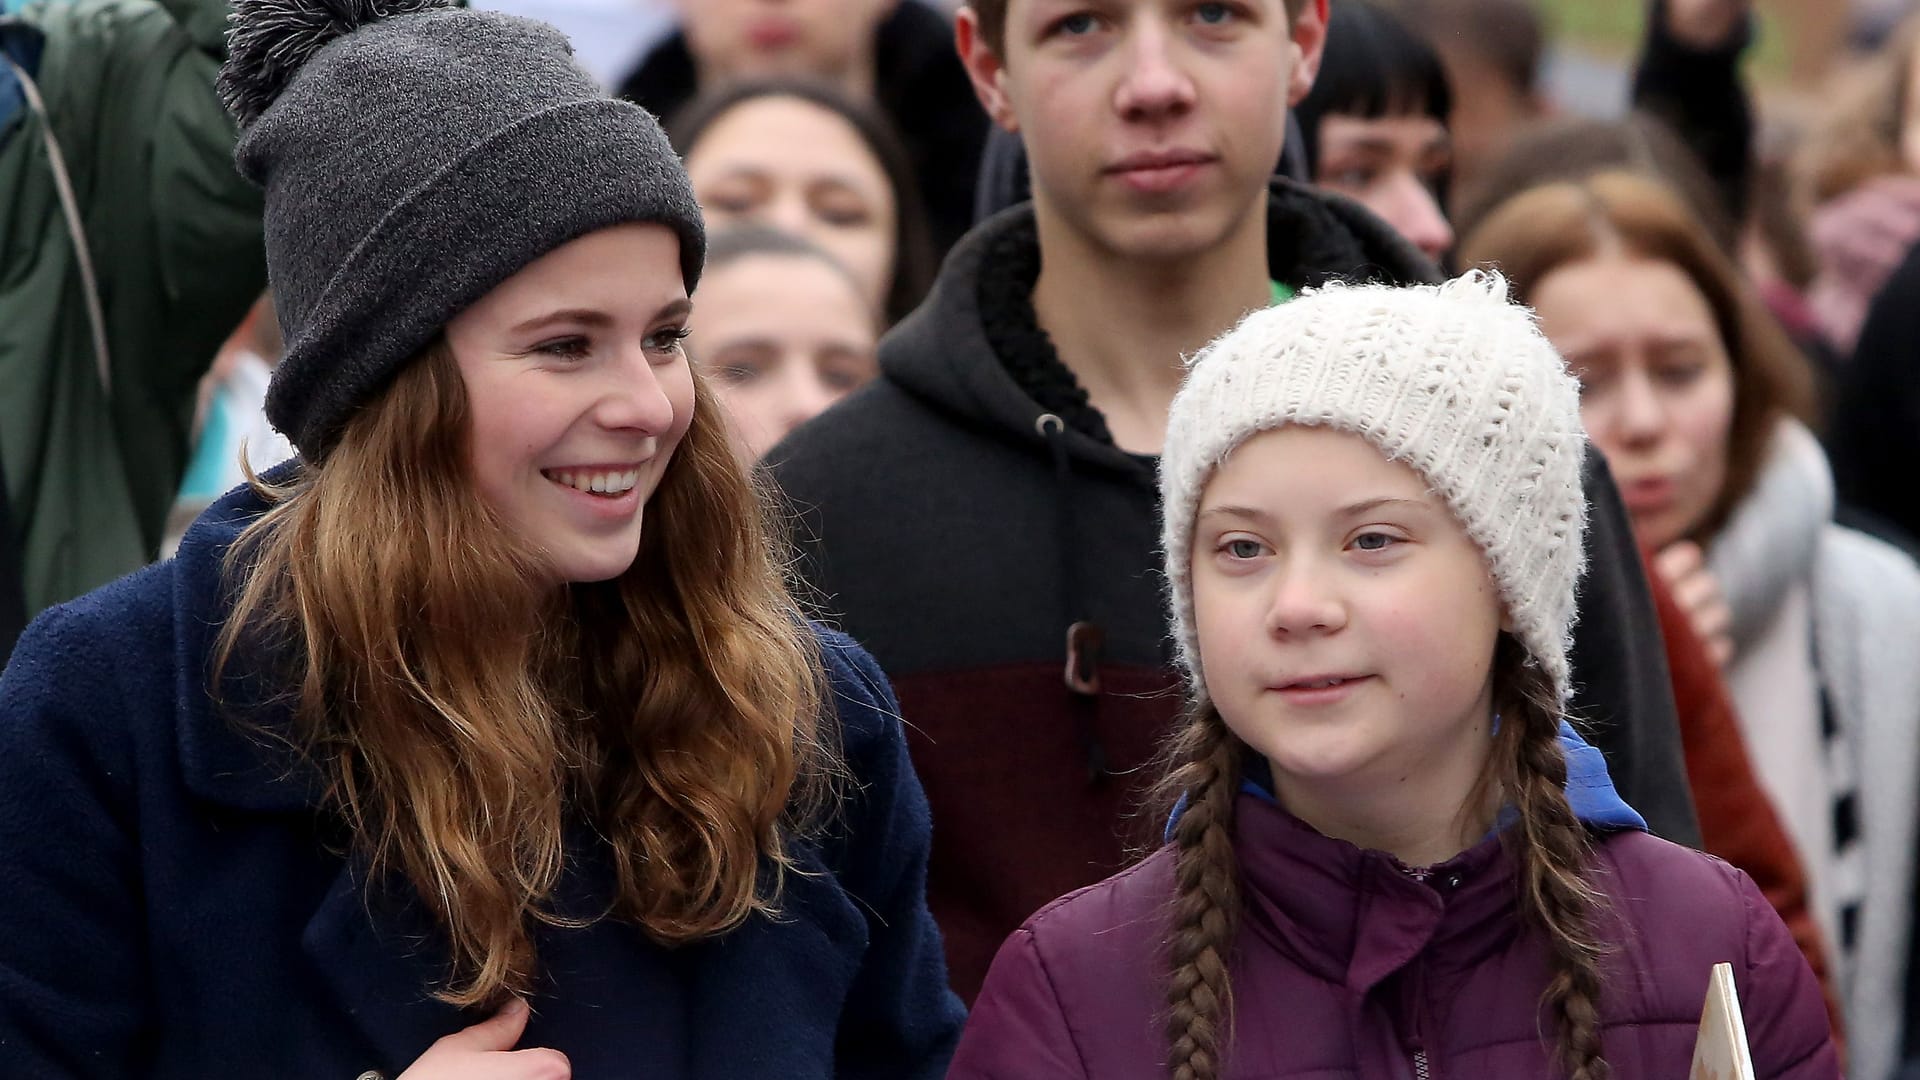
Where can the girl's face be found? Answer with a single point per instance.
(1346, 625)
(1656, 384)
(578, 392)
(795, 166)
(781, 337)
(1392, 165)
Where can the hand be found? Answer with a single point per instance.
(1684, 568)
(1858, 240)
(1705, 24)
(485, 1052)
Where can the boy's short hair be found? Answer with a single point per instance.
(993, 20)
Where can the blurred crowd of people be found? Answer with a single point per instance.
(948, 353)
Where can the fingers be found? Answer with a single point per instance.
(1683, 567)
(497, 1032)
(535, 1064)
(1678, 560)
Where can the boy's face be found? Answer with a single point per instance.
(1151, 126)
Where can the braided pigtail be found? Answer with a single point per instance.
(1205, 760)
(1551, 847)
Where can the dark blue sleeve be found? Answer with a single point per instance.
(902, 1020)
(71, 1000)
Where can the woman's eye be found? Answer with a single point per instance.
(667, 341)
(1374, 541)
(567, 348)
(840, 207)
(735, 374)
(1352, 179)
(842, 382)
(1680, 375)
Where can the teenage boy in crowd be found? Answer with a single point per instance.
(983, 516)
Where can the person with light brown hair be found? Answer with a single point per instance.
(1693, 393)
(1857, 177)
(483, 740)
(1391, 854)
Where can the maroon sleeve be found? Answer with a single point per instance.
(1017, 1029)
(1780, 1000)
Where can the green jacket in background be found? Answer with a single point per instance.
(175, 237)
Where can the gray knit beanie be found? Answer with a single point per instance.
(414, 155)
(1451, 379)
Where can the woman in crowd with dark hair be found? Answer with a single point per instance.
(783, 330)
(807, 159)
(1374, 126)
(483, 739)
(1692, 392)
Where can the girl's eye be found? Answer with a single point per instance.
(1243, 549)
(1374, 541)
(567, 348)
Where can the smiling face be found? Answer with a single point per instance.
(578, 392)
(1151, 126)
(1346, 624)
(781, 338)
(1394, 166)
(802, 169)
(1656, 383)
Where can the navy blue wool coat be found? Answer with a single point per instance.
(173, 903)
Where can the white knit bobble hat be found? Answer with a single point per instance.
(1452, 379)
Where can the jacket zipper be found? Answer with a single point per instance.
(1420, 1065)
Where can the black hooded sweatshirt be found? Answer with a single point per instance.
(959, 514)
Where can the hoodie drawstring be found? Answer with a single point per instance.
(1084, 636)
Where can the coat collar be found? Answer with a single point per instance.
(238, 751)
(376, 952)
(1355, 917)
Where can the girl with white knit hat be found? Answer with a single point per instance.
(1391, 854)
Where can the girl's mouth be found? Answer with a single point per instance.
(609, 483)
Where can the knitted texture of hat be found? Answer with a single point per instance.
(414, 156)
(1453, 380)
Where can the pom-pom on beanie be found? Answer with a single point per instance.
(1454, 380)
(414, 155)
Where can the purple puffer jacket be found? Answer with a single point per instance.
(1347, 966)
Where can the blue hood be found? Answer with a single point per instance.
(1589, 789)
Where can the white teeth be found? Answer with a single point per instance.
(597, 483)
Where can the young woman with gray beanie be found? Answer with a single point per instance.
(1391, 855)
(482, 739)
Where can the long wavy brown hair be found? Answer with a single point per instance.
(465, 718)
(1526, 768)
(1556, 224)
